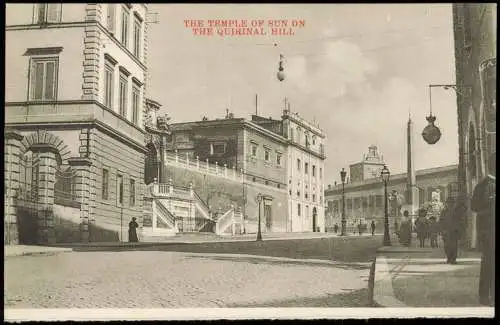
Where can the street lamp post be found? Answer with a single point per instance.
(259, 233)
(385, 178)
(343, 174)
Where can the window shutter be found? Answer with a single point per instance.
(37, 81)
(111, 17)
(50, 80)
(53, 12)
(40, 13)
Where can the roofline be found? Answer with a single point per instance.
(371, 181)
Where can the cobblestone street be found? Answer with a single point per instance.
(153, 279)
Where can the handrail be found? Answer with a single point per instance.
(225, 221)
(203, 206)
(169, 216)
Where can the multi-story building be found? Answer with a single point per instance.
(233, 145)
(475, 34)
(74, 103)
(306, 156)
(287, 169)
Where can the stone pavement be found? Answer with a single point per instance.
(158, 279)
(26, 250)
(420, 277)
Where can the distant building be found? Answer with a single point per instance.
(74, 104)
(475, 34)
(364, 198)
(369, 167)
(286, 168)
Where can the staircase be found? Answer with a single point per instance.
(229, 223)
(176, 210)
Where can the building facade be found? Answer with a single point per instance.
(364, 198)
(369, 167)
(288, 170)
(235, 146)
(74, 116)
(305, 174)
(475, 27)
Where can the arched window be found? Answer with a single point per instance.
(298, 134)
(472, 152)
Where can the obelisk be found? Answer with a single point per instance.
(411, 184)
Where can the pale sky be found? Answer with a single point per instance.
(357, 69)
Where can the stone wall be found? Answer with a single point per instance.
(220, 193)
(112, 153)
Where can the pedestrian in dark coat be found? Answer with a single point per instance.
(421, 227)
(373, 227)
(132, 232)
(483, 203)
(405, 231)
(336, 228)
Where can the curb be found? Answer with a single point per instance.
(383, 292)
(37, 253)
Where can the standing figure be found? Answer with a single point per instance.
(336, 228)
(421, 226)
(373, 227)
(132, 232)
(405, 230)
(452, 224)
(483, 203)
(433, 231)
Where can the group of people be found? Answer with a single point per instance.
(451, 225)
(361, 228)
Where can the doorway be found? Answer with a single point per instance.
(268, 216)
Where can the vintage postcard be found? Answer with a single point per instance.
(249, 161)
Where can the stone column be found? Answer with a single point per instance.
(47, 176)
(81, 166)
(12, 144)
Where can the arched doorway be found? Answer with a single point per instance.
(315, 221)
(151, 164)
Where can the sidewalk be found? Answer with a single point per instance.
(420, 277)
(26, 250)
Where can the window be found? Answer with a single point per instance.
(314, 140)
(137, 37)
(217, 148)
(253, 179)
(298, 165)
(136, 96)
(266, 155)
(105, 184)
(314, 170)
(119, 188)
(48, 13)
(306, 168)
(314, 197)
(306, 195)
(320, 173)
(132, 192)
(298, 209)
(254, 150)
(278, 159)
(109, 72)
(267, 182)
(43, 78)
(111, 19)
(124, 34)
(123, 95)
(298, 193)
